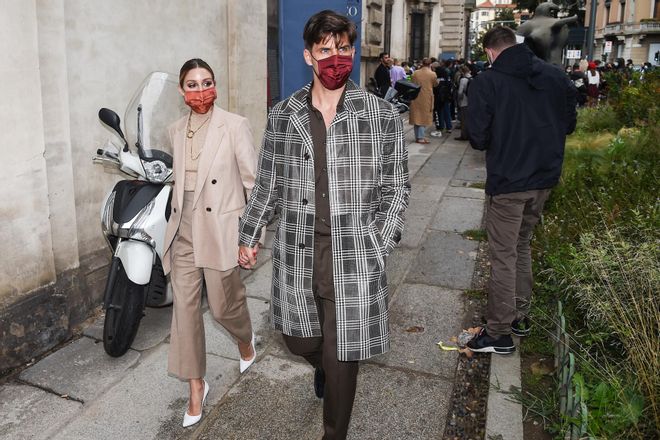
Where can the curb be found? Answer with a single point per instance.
(504, 412)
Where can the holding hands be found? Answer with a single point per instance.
(247, 257)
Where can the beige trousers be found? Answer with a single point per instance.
(225, 292)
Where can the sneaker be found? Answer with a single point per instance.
(437, 133)
(521, 327)
(484, 343)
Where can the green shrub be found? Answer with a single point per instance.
(635, 99)
(598, 119)
(615, 285)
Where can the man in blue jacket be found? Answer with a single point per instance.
(521, 110)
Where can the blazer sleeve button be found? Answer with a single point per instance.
(301, 245)
(304, 201)
(306, 156)
(208, 209)
(174, 209)
(214, 181)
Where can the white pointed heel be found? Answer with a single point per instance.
(189, 420)
(243, 364)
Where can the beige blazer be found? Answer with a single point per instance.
(225, 176)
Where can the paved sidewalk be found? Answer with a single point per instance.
(79, 392)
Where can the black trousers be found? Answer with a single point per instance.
(321, 352)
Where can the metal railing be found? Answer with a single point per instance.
(571, 406)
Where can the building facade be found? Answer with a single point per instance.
(63, 61)
(628, 29)
(413, 29)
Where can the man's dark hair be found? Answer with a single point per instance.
(328, 24)
(499, 37)
(381, 55)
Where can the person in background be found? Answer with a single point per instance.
(593, 85)
(462, 100)
(441, 106)
(214, 167)
(382, 74)
(407, 68)
(396, 72)
(335, 163)
(521, 110)
(580, 83)
(421, 108)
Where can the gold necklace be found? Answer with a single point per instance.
(192, 132)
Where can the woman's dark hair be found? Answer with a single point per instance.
(325, 24)
(194, 64)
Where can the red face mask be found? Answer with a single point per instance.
(200, 101)
(334, 71)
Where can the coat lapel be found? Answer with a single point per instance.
(300, 117)
(214, 137)
(179, 147)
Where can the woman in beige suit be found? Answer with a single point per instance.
(214, 168)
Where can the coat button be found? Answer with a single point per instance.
(304, 201)
(174, 209)
(301, 245)
(214, 181)
(208, 209)
(306, 156)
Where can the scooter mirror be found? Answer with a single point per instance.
(111, 119)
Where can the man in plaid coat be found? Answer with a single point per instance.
(334, 164)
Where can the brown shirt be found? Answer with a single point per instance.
(319, 137)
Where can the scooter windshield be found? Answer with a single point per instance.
(155, 105)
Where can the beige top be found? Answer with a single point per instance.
(199, 125)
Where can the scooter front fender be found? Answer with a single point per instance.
(137, 258)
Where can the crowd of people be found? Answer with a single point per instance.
(448, 97)
(443, 98)
(590, 77)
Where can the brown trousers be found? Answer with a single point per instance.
(321, 352)
(225, 293)
(510, 222)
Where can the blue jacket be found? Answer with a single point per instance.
(520, 111)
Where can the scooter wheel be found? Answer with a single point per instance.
(123, 314)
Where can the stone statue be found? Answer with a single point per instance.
(545, 34)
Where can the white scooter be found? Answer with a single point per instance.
(135, 213)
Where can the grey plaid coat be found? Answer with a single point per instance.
(369, 189)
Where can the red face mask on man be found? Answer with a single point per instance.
(200, 101)
(334, 71)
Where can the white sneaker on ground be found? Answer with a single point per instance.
(436, 133)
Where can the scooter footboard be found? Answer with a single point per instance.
(137, 258)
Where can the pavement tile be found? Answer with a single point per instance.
(397, 266)
(413, 231)
(147, 403)
(420, 316)
(395, 404)
(218, 340)
(154, 328)
(428, 193)
(466, 192)
(258, 285)
(471, 170)
(274, 401)
(445, 259)
(457, 214)
(81, 370)
(32, 413)
(421, 208)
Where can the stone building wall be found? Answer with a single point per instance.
(62, 61)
